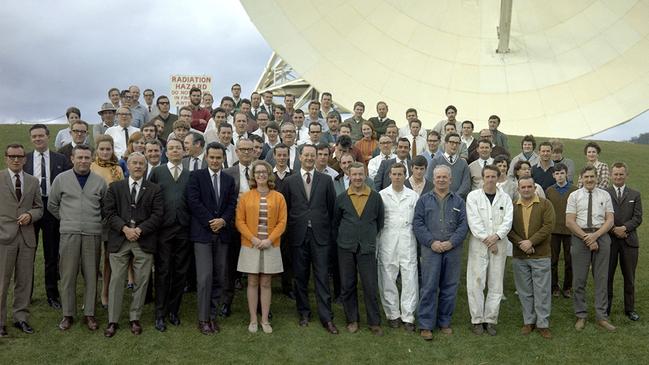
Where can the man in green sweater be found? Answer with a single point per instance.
(76, 200)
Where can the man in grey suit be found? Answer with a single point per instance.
(382, 178)
(194, 146)
(134, 209)
(76, 199)
(21, 207)
(241, 174)
(624, 237)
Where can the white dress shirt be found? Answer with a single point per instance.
(119, 139)
(37, 168)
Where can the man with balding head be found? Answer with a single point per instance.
(134, 209)
(140, 113)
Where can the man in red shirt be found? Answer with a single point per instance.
(200, 116)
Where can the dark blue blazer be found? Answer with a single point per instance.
(203, 208)
(58, 164)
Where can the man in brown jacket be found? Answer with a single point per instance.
(530, 236)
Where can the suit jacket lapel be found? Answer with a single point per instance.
(301, 183)
(10, 184)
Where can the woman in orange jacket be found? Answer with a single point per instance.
(261, 220)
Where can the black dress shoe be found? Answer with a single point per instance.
(24, 326)
(225, 310)
(330, 327)
(304, 321)
(110, 330)
(238, 284)
(3, 332)
(54, 303)
(632, 315)
(174, 319)
(160, 324)
(290, 294)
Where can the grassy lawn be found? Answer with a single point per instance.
(292, 344)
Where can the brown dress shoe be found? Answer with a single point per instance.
(331, 328)
(111, 330)
(376, 330)
(91, 322)
(580, 324)
(205, 327)
(136, 328)
(527, 329)
(352, 327)
(426, 335)
(66, 323)
(606, 325)
(545, 333)
(446, 330)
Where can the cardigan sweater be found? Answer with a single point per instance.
(79, 210)
(247, 218)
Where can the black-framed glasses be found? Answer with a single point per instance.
(78, 131)
(15, 157)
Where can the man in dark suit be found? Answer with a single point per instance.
(134, 209)
(381, 122)
(382, 178)
(358, 217)
(212, 196)
(174, 250)
(310, 202)
(79, 132)
(45, 165)
(21, 207)
(624, 237)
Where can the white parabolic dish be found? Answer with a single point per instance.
(575, 68)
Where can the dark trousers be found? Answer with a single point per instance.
(287, 262)
(334, 270)
(306, 255)
(49, 226)
(233, 274)
(171, 265)
(352, 265)
(211, 276)
(558, 241)
(628, 258)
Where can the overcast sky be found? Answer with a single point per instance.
(56, 54)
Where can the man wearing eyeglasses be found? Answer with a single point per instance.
(288, 135)
(122, 130)
(21, 207)
(79, 133)
(461, 183)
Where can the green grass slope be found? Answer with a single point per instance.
(292, 344)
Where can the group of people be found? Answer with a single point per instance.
(261, 189)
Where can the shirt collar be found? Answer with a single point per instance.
(534, 200)
(131, 181)
(365, 192)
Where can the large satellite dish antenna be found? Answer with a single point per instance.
(569, 68)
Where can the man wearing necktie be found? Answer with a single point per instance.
(21, 207)
(134, 209)
(589, 216)
(174, 250)
(624, 237)
(46, 165)
(212, 196)
(194, 144)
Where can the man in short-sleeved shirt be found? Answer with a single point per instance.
(589, 216)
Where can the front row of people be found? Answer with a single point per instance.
(378, 236)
